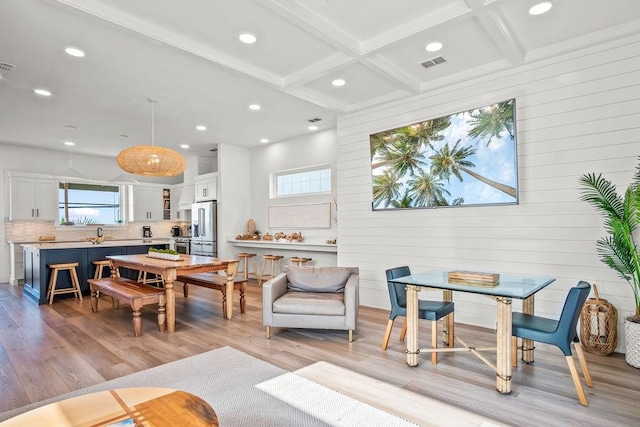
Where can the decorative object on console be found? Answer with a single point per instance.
(150, 160)
(293, 237)
(251, 234)
(267, 236)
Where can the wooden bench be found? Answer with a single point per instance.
(215, 281)
(133, 293)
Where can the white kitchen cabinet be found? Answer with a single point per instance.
(147, 203)
(33, 198)
(206, 187)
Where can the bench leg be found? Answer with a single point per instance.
(115, 303)
(185, 290)
(243, 303)
(224, 303)
(162, 314)
(94, 300)
(136, 305)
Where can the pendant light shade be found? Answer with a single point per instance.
(150, 160)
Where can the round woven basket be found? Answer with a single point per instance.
(599, 325)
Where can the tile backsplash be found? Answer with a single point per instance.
(30, 231)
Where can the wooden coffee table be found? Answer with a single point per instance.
(145, 406)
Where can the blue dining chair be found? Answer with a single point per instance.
(428, 310)
(561, 333)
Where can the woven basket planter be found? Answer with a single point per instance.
(598, 325)
(632, 336)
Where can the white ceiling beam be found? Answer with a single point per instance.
(308, 21)
(319, 69)
(390, 71)
(446, 15)
(498, 30)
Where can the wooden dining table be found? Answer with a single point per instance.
(169, 270)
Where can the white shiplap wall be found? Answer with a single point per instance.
(576, 113)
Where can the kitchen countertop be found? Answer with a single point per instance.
(308, 246)
(88, 244)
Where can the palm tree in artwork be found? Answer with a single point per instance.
(491, 122)
(402, 156)
(385, 188)
(401, 149)
(427, 190)
(452, 161)
(405, 202)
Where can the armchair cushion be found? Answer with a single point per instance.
(327, 304)
(325, 279)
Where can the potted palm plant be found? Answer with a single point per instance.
(618, 249)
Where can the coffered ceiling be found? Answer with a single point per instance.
(186, 55)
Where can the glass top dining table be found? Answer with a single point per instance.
(509, 285)
(504, 290)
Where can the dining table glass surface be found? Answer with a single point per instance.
(508, 285)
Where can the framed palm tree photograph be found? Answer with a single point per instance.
(463, 159)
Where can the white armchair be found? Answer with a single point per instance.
(312, 297)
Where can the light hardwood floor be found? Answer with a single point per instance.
(50, 350)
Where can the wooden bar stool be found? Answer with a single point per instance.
(75, 283)
(156, 280)
(294, 260)
(244, 264)
(272, 259)
(100, 264)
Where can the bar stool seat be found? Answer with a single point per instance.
(245, 272)
(100, 264)
(294, 260)
(53, 281)
(272, 259)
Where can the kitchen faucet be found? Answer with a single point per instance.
(99, 231)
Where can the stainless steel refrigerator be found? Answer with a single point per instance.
(204, 233)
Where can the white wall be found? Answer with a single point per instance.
(576, 114)
(233, 199)
(318, 148)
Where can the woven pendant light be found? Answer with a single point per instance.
(150, 160)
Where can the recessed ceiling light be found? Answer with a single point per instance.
(73, 51)
(254, 107)
(540, 8)
(184, 145)
(201, 127)
(338, 82)
(264, 140)
(42, 92)
(69, 143)
(313, 127)
(248, 38)
(433, 47)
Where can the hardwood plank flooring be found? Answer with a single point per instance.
(49, 350)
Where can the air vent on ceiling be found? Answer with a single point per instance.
(5, 68)
(316, 119)
(433, 62)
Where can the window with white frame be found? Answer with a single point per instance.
(314, 180)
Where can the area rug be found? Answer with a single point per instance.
(233, 383)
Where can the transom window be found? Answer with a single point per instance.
(82, 204)
(302, 181)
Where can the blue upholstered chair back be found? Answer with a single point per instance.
(397, 293)
(568, 321)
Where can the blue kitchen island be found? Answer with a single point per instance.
(38, 255)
